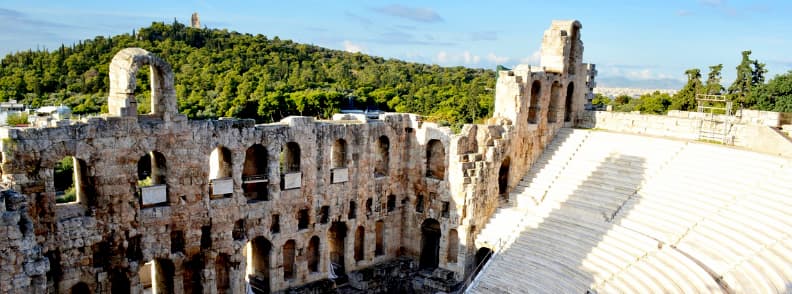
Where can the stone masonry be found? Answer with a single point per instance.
(231, 203)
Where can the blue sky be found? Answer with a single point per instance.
(633, 43)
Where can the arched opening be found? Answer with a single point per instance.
(254, 174)
(258, 264)
(156, 276)
(339, 154)
(71, 183)
(379, 231)
(119, 283)
(453, 245)
(80, 288)
(288, 259)
(290, 166)
(568, 106)
(533, 107)
(555, 102)
(220, 172)
(369, 204)
(435, 159)
(192, 269)
(151, 171)
(503, 177)
(222, 273)
(313, 254)
(352, 210)
(430, 244)
(290, 158)
(382, 157)
(360, 236)
(125, 69)
(339, 172)
(336, 236)
(391, 203)
(482, 256)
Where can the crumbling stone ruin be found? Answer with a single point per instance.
(220, 206)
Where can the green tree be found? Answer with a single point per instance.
(776, 95)
(713, 85)
(600, 101)
(685, 99)
(17, 119)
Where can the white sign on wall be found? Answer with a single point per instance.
(154, 194)
(292, 180)
(340, 175)
(222, 186)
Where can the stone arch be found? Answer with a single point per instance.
(483, 254)
(379, 230)
(555, 102)
(360, 250)
(382, 159)
(337, 236)
(503, 177)
(71, 182)
(157, 275)
(430, 243)
(220, 163)
(153, 166)
(290, 158)
(533, 107)
(339, 154)
(258, 259)
(435, 159)
(313, 254)
(254, 173)
(453, 245)
(80, 288)
(289, 250)
(124, 68)
(568, 106)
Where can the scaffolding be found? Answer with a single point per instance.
(716, 115)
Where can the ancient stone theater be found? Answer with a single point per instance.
(547, 197)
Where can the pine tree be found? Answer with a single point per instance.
(685, 99)
(744, 80)
(713, 85)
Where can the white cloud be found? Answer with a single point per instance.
(442, 57)
(352, 47)
(496, 59)
(534, 59)
(470, 58)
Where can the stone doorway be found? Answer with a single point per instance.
(430, 244)
(258, 264)
(503, 178)
(337, 237)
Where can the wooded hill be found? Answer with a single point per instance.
(228, 74)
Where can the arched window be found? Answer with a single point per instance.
(503, 177)
(288, 260)
(379, 230)
(254, 174)
(125, 69)
(382, 159)
(71, 182)
(569, 98)
(151, 179)
(220, 172)
(533, 107)
(336, 236)
(290, 166)
(313, 254)
(258, 264)
(222, 273)
(290, 158)
(435, 159)
(555, 102)
(453, 246)
(360, 236)
(430, 243)
(339, 154)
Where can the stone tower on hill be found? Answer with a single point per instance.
(195, 22)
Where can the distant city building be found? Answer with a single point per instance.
(50, 115)
(9, 108)
(632, 92)
(195, 21)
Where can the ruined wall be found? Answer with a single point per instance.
(232, 202)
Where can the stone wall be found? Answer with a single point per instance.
(245, 203)
(753, 129)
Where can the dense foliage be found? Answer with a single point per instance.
(220, 73)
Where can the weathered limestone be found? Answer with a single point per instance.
(214, 205)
